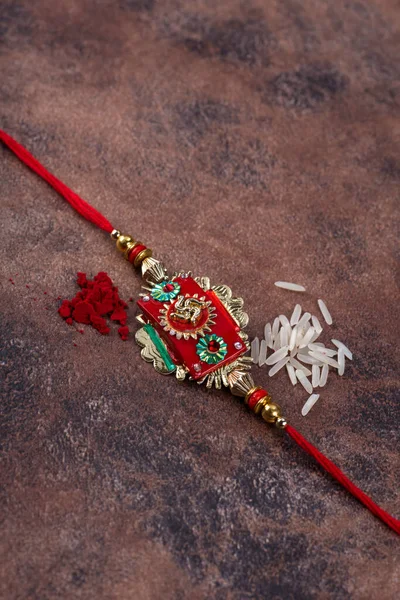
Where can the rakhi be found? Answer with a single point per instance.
(193, 329)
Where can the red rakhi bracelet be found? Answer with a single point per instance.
(193, 329)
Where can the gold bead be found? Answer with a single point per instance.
(115, 234)
(240, 382)
(123, 241)
(281, 423)
(271, 412)
(260, 404)
(130, 246)
(146, 253)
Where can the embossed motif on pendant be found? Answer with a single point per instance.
(188, 316)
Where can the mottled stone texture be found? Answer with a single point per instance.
(249, 141)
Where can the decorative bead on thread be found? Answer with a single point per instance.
(115, 234)
(271, 412)
(259, 401)
(251, 389)
(260, 404)
(257, 395)
(135, 252)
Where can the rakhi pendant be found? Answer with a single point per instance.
(193, 329)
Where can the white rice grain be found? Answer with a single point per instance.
(297, 365)
(341, 361)
(324, 358)
(304, 381)
(278, 366)
(268, 335)
(284, 320)
(294, 319)
(299, 336)
(323, 349)
(316, 324)
(255, 349)
(277, 356)
(309, 404)
(309, 360)
(275, 328)
(325, 312)
(307, 337)
(304, 319)
(283, 337)
(302, 350)
(315, 337)
(324, 375)
(292, 341)
(315, 376)
(286, 285)
(347, 352)
(291, 373)
(263, 353)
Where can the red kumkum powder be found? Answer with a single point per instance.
(97, 300)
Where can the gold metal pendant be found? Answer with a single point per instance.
(195, 330)
(192, 328)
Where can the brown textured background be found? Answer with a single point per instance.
(248, 141)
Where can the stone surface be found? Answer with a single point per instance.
(250, 142)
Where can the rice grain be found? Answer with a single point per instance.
(263, 353)
(294, 319)
(324, 375)
(268, 335)
(323, 349)
(309, 360)
(307, 337)
(309, 404)
(292, 341)
(297, 365)
(347, 352)
(304, 381)
(341, 361)
(316, 324)
(284, 320)
(286, 285)
(325, 312)
(324, 358)
(275, 328)
(278, 366)
(292, 373)
(315, 376)
(255, 349)
(304, 319)
(277, 356)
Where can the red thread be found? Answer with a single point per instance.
(333, 470)
(80, 205)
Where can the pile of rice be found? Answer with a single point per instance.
(292, 344)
